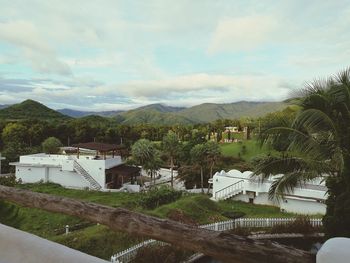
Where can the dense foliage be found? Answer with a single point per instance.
(159, 196)
(51, 145)
(315, 144)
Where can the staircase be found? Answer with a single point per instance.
(80, 170)
(229, 191)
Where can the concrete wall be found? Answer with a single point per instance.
(59, 169)
(30, 174)
(18, 247)
(67, 178)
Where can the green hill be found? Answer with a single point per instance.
(207, 112)
(157, 114)
(152, 116)
(30, 109)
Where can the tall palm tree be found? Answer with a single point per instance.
(316, 145)
(213, 152)
(145, 154)
(171, 147)
(198, 155)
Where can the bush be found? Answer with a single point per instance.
(8, 180)
(51, 145)
(159, 196)
(241, 231)
(301, 225)
(161, 254)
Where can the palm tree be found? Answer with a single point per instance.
(145, 154)
(171, 148)
(213, 152)
(316, 145)
(198, 155)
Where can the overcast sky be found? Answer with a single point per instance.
(105, 55)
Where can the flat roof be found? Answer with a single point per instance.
(99, 146)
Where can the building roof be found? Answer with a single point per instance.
(125, 170)
(98, 146)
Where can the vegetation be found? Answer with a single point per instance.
(51, 145)
(313, 144)
(30, 109)
(144, 153)
(161, 254)
(301, 225)
(246, 150)
(171, 147)
(100, 241)
(159, 196)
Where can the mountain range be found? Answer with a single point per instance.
(152, 114)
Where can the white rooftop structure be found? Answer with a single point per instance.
(84, 171)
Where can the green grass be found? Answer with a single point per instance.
(196, 208)
(252, 149)
(97, 240)
(102, 242)
(252, 210)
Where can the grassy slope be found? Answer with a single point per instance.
(102, 242)
(252, 149)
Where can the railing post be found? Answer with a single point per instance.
(216, 227)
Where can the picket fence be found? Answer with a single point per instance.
(129, 254)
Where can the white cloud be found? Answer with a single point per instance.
(25, 36)
(242, 33)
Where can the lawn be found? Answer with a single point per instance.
(245, 149)
(102, 242)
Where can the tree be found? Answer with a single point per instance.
(145, 154)
(171, 147)
(51, 145)
(213, 153)
(198, 155)
(316, 145)
(14, 132)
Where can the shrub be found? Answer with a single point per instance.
(8, 180)
(241, 231)
(159, 196)
(51, 145)
(301, 225)
(161, 254)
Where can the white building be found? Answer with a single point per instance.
(81, 171)
(241, 186)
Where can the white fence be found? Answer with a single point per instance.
(129, 254)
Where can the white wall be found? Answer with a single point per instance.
(67, 178)
(303, 207)
(294, 204)
(30, 174)
(60, 169)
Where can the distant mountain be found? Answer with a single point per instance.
(147, 116)
(78, 114)
(209, 112)
(3, 106)
(157, 114)
(30, 109)
(160, 108)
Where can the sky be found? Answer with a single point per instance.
(117, 55)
